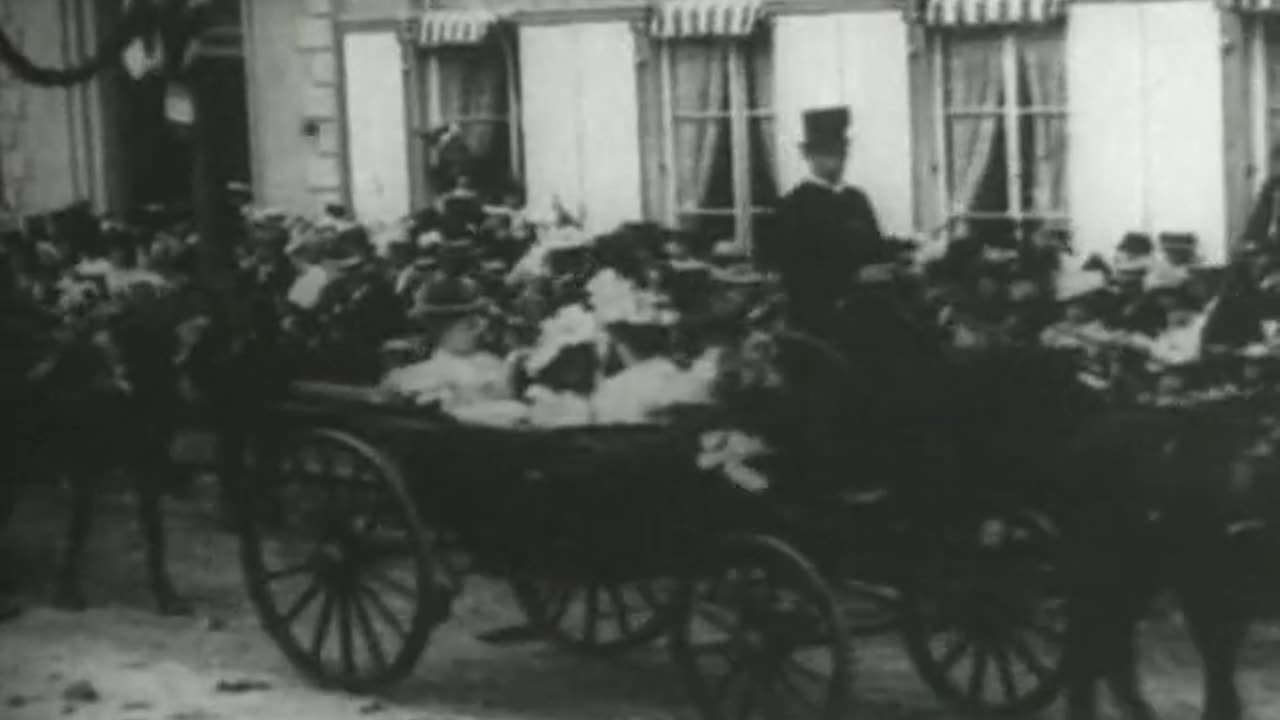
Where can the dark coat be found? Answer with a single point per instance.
(1258, 228)
(822, 237)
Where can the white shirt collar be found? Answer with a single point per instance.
(815, 180)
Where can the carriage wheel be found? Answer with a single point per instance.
(348, 588)
(758, 634)
(598, 618)
(987, 636)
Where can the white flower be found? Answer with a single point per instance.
(730, 452)
(572, 325)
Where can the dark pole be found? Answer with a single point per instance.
(210, 204)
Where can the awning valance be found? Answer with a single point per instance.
(444, 28)
(980, 13)
(1251, 6)
(682, 19)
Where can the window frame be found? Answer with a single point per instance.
(741, 117)
(424, 104)
(1011, 112)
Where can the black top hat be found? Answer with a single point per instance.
(827, 127)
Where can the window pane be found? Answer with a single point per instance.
(760, 73)
(704, 164)
(1042, 67)
(1044, 163)
(977, 179)
(700, 77)
(473, 81)
(490, 170)
(472, 93)
(972, 69)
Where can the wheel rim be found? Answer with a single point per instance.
(759, 636)
(597, 617)
(991, 640)
(347, 587)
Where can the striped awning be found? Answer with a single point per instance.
(977, 13)
(677, 19)
(1251, 6)
(442, 28)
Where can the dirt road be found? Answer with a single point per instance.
(119, 661)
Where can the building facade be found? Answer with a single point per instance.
(1105, 116)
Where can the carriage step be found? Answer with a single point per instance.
(513, 635)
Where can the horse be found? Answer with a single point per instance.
(1184, 502)
(971, 433)
(105, 400)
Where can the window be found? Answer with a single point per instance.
(1002, 103)
(474, 88)
(1264, 45)
(718, 135)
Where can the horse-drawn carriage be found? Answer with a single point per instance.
(612, 537)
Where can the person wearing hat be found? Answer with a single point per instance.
(648, 380)
(459, 371)
(826, 234)
(357, 310)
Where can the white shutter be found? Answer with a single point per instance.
(581, 121)
(611, 126)
(1106, 126)
(1185, 123)
(377, 139)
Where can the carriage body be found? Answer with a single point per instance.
(597, 513)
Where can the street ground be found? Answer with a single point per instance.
(120, 661)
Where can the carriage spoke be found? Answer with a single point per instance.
(957, 648)
(789, 682)
(321, 631)
(750, 695)
(1005, 670)
(978, 678)
(369, 630)
(590, 616)
(394, 584)
(302, 602)
(1030, 659)
(383, 610)
(291, 571)
(620, 606)
(345, 636)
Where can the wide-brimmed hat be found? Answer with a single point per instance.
(450, 297)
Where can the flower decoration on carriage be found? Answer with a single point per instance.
(572, 325)
(731, 453)
(615, 299)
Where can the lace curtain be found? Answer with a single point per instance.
(701, 92)
(976, 92)
(473, 93)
